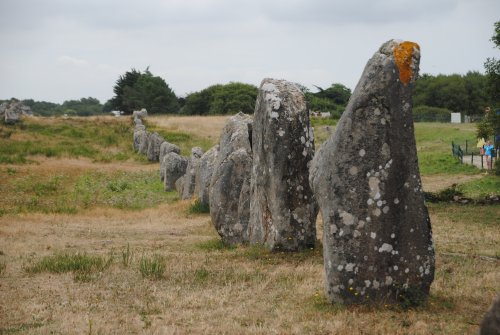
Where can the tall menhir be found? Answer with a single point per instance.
(377, 234)
(282, 206)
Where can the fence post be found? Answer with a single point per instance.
(466, 147)
(472, 158)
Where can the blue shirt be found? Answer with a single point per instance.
(488, 150)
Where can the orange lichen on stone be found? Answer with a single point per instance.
(403, 55)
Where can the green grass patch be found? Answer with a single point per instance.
(197, 207)
(472, 214)
(84, 267)
(434, 147)
(323, 122)
(214, 245)
(431, 163)
(184, 141)
(70, 193)
(486, 186)
(152, 267)
(73, 137)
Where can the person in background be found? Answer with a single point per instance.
(488, 152)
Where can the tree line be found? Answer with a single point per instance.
(442, 94)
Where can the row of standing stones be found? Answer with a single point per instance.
(264, 182)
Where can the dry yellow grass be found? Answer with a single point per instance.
(202, 126)
(242, 290)
(211, 290)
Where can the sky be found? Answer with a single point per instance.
(57, 50)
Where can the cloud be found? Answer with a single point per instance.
(73, 61)
(84, 45)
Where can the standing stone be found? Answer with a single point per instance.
(12, 111)
(491, 321)
(166, 148)
(154, 144)
(282, 207)
(377, 240)
(230, 184)
(143, 141)
(190, 176)
(204, 175)
(141, 114)
(138, 122)
(139, 136)
(175, 167)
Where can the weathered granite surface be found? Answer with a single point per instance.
(377, 234)
(230, 184)
(283, 209)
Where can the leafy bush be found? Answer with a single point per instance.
(431, 114)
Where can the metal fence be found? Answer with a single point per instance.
(473, 155)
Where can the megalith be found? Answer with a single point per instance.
(188, 181)
(12, 111)
(491, 320)
(143, 141)
(230, 184)
(283, 209)
(140, 114)
(204, 175)
(377, 240)
(175, 167)
(166, 148)
(154, 143)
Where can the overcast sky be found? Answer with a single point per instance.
(56, 50)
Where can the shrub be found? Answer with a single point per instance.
(431, 114)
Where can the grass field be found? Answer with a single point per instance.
(90, 244)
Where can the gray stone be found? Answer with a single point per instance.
(377, 241)
(230, 184)
(11, 111)
(166, 148)
(155, 141)
(491, 321)
(141, 114)
(143, 142)
(204, 175)
(175, 167)
(139, 137)
(138, 122)
(282, 207)
(179, 184)
(191, 171)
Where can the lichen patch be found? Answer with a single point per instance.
(403, 56)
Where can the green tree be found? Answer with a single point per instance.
(489, 127)
(332, 100)
(135, 90)
(233, 98)
(221, 99)
(457, 93)
(42, 108)
(492, 67)
(83, 107)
